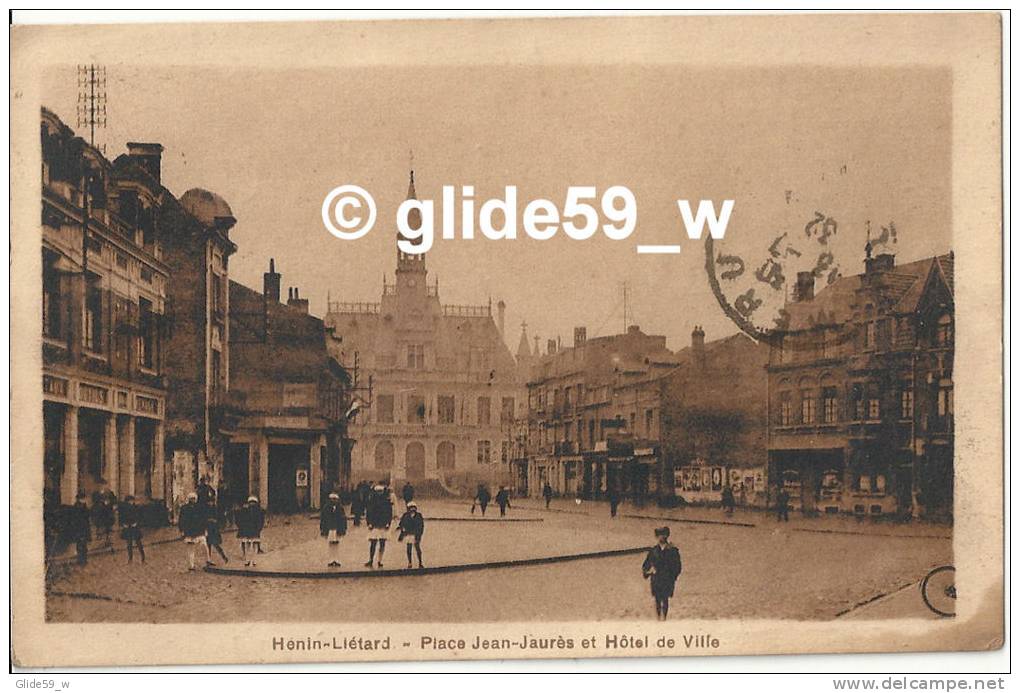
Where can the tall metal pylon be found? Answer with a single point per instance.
(92, 99)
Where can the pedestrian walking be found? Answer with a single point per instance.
(482, 498)
(408, 493)
(614, 501)
(547, 493)
(378, 517)
(214, 540)
(103, 517)
(130, 529)
(333, 525)
(411, 526)
(80, 529)
(250, 521)
(192, 524)
(783, 506)
(729, 502)
(503, 500)
(662, 567)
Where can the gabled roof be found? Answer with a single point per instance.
(920, 278)
(903, 286)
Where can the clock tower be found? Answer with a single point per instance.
(410, 267)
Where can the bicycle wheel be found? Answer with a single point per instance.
(938, 590)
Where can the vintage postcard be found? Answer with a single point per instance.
(506, 338)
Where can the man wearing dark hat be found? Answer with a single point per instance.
(333, 525)
(130, 529)
(662, 567)
(80, 528)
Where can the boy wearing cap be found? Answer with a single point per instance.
(411, 526)
(250, 520)
(191, 523)
(378, 517)
(333, 525)
(662, 566)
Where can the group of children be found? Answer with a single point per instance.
(378, 512)
(199, 524)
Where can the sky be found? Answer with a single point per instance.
(857, 144)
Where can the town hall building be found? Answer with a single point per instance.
(438, 386)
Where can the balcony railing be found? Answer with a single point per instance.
(354, 307)
(467, 311)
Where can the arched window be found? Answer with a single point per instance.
(808, 400)
(446, 456)
(414, 461)
(384, 455)
(784, 412)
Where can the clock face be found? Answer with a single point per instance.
(411, 283)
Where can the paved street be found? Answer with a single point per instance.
(805, 569)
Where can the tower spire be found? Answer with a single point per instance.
(523, 349)
(411, 261)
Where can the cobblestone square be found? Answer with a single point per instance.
(797, 570)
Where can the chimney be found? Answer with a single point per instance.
(295, 301)
(550, 346)
(805, 287)
(698, 343)
(580, 336)
(879, 263)
(501, 313)
(148, 155)
(271, 283)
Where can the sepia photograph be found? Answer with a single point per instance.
(506, 338)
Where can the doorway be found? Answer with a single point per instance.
(284, 463)
(235, 473)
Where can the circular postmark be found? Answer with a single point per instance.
(770, 292)
(938, 590)
(754, 293)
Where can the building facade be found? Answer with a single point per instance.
(594, 417)
(198, 249)
(284, 416)
(861, 392)
(439, 387)
(714, 421)
(104, 297)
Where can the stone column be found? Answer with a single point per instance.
(315, 452)
(263, 462)
(111, 455)
(253, 468)
(69, 478)
(127, 458)
(158, 463)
